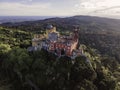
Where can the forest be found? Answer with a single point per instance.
(41, 70)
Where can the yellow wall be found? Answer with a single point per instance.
(41, 36)
(50, 31)
(34, 43)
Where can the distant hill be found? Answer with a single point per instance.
(14, 19)
(84, 22)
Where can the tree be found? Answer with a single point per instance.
(4, 48)
(80, 71)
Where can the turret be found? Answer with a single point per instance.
(75, 35)
(50, 29)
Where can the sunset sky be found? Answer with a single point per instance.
(59, 7)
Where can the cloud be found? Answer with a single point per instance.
(36, 8)
(22, 9)
(61, 7)
(101, 7)
(107, 9)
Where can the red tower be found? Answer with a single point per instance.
(75, 37)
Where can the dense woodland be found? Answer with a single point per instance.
(41, 70)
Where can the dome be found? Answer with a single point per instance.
(49, 27)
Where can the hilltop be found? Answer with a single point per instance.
(97, 69)
(102, 34)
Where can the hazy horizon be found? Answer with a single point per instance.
(14, 19)
(44, 17)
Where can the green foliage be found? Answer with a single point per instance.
(4, 48)
(44, 70)
(15, 37)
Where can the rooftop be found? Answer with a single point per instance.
(49, 27)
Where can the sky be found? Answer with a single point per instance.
(60, 7)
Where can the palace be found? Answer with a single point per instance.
(52, 41)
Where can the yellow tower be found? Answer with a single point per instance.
(50, 29)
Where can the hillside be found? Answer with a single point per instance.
(100, 33)
(15, 37)
(22, 70)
